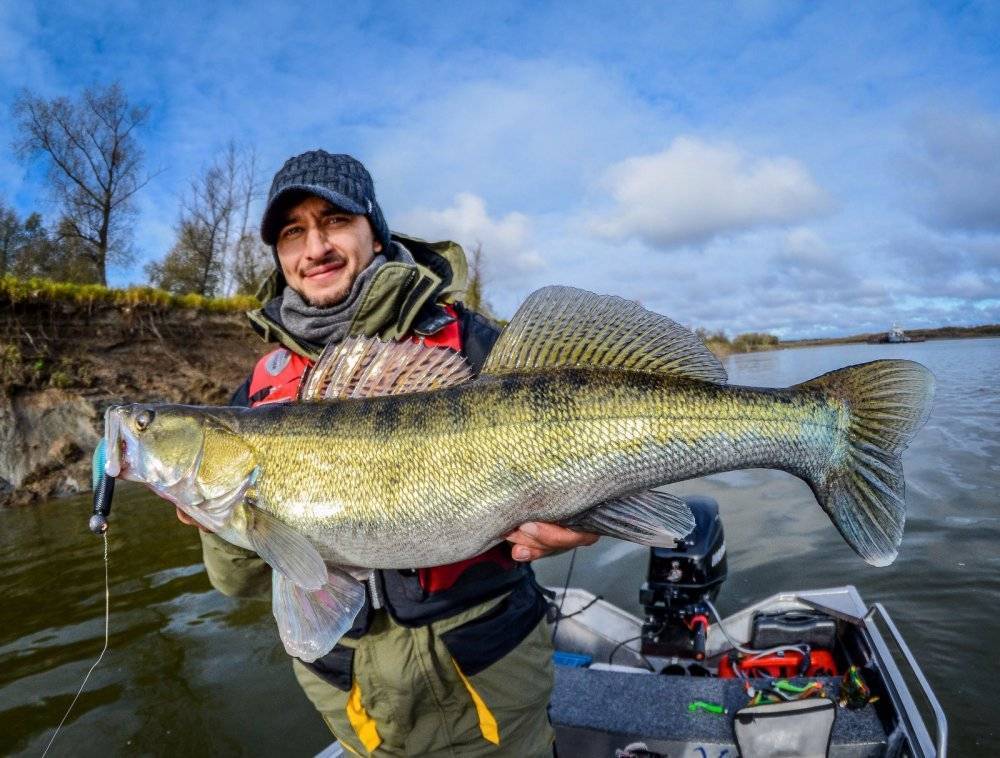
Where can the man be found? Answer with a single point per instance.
(448, 660)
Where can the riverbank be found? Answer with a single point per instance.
(940, 333)
(67, 352)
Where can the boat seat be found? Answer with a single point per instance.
(595, 712)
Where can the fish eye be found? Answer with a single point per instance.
(143, 419)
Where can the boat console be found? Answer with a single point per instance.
(808, 672)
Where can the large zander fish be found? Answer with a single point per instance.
(396, 457)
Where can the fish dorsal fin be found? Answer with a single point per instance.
(565, 327)
(367, 367)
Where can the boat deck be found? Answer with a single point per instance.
(597, 711)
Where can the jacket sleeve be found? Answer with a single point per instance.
(232, 570)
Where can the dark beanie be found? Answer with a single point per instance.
(341, 180)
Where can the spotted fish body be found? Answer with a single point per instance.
(422, 480)
(397, 458)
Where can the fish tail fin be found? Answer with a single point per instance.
(862, 490)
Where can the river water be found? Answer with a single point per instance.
(192, 672)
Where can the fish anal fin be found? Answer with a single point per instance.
(287, 551)
(310, 622)
(369, 367)
(652, 518)
(564, 327)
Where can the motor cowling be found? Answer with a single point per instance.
(678, 581)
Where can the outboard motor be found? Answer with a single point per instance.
(679, 580)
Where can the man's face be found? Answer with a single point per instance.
(322, 249)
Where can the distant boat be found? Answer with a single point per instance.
(895, 335)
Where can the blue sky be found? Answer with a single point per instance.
(807, 169)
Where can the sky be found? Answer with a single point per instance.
(806, 169)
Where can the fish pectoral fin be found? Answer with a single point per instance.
(310, 622)
(652, 518)
(287, 551)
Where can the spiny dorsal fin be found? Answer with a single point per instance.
(367, 366)
(564, 327)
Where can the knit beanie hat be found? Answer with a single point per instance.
(339, 179)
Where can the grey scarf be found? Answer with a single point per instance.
(320, 326)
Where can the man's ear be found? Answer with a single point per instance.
(377, 247)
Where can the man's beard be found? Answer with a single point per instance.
(327, 299)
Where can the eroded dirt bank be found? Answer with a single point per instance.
(62, 364)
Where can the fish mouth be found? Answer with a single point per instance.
(113, 441)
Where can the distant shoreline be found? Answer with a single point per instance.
(940, 333)
(723, 349)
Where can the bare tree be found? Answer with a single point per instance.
(95, 166)
(253, 262)
(247, 259)
(474, 297)
(214, 252)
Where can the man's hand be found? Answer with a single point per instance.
(537, 539)
(185, 519)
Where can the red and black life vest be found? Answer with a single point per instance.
(413, 596)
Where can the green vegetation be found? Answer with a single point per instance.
(34, 290)
(750, 342)
(10, 363)
(754, 341)
(39, 371)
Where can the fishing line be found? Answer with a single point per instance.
(569, 574)
(107, 626)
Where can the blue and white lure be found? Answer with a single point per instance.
(104, 490)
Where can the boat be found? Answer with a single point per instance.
(800, 672)
(894, 336)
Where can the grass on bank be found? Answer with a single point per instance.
(14, 290)
(749, 342)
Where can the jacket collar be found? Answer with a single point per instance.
(402, 298)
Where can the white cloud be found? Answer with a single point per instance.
(695, 190)
(527, 134)
(956, 167)
(506, 240)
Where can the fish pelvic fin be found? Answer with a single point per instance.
(310, 622)
(368, 367)
(287, 551)
(655, 519)
(863, 490)
(564, 327)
